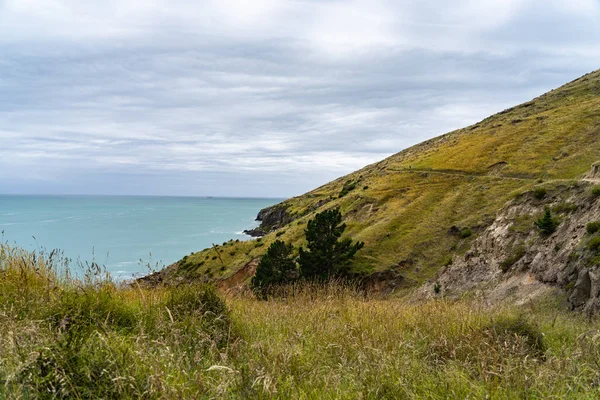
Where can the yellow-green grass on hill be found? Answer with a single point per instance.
(66, 339)
(404, 206)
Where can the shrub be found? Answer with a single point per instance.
(540, 193)
(466, 233)
(348, 187)
(593, 227)
(546, 224)
(327, 255)
(276, 266)
(596, 191)
(437, 288)
(594, 244)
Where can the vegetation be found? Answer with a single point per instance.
(409, 201)
(277, 266)
(547, 224)
(539, 193)
(327, 256)
(347, 188)
(61, 338)
(466, 233)
(516, 255)
(593, 227)
(594, 244)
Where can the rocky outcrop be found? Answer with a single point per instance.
(512, 259)
(594, 174)
(272, 218)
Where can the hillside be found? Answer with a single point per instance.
(418, 209)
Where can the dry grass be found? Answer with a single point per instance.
(62, 338)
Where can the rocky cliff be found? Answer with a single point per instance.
(513, 259)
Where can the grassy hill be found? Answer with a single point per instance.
(417, 208)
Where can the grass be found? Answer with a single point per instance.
(62, 338)
(410, 200)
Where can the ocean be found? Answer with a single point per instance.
(128, 235)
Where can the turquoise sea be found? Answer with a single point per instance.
(125, 234)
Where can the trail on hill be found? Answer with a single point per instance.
(455, 172)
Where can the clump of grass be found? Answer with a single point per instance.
(564, 208)
(517, 253)
(347, 188)
(466, 233)
(594, 244)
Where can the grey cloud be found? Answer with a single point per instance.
(181, 109)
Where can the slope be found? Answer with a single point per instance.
(418, 208)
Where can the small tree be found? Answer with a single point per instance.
(327, 255)
(276, 266)
(547, 224)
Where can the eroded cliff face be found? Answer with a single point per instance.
(271, 218)
(514, 260)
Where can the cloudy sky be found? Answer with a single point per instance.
(262, 97)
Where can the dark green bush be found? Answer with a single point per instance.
(596, 192)
(540, 193)
(276, 266)
(466, 233)
(593, 227)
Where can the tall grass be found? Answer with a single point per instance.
(65, 338)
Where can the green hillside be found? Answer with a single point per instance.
(416, 208)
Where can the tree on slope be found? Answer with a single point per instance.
(547, 224)
(277, 266)
(327, 256)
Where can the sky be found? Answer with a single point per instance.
(261, 98)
